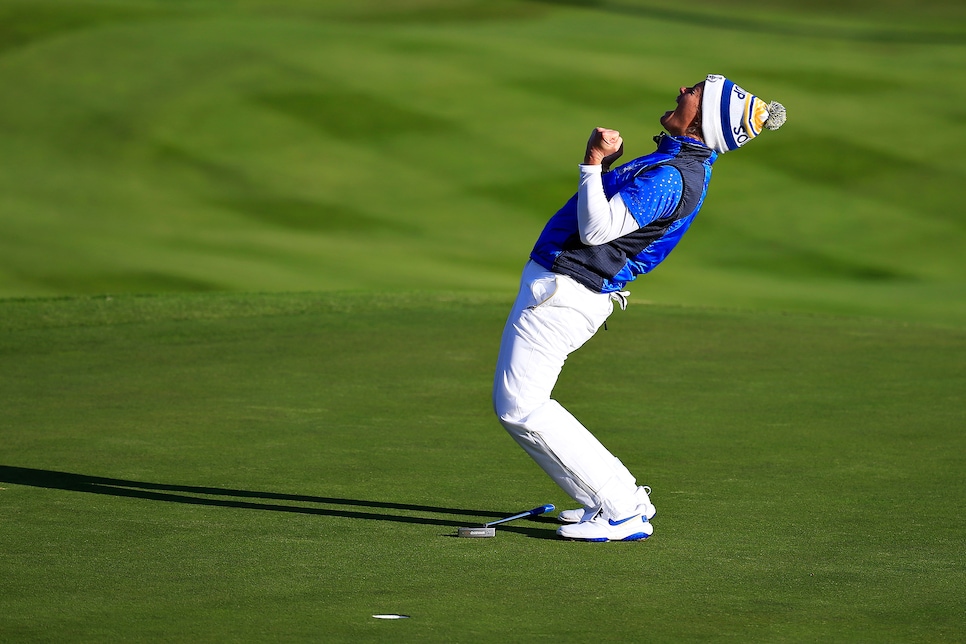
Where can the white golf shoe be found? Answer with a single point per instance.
(632, 528)
(580, 514)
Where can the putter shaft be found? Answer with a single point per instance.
(529, 513)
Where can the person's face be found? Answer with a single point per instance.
(677, 121)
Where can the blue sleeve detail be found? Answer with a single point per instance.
(654, 194)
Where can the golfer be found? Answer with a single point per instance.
(621, 223)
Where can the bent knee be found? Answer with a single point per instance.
(504, 409)
(512, 408)
(502, 398)
(504, 406)
(510, 414)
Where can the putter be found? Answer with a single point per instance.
(487, 529)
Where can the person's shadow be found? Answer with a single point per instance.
(251, 500)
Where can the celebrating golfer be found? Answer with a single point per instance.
(620, 224)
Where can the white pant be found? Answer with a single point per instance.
(554, 315)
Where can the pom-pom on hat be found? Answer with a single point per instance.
(730, 116)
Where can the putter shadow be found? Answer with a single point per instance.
(247, 499)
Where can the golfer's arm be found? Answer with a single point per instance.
(600, 220)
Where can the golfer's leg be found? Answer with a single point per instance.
(576, 460)
(536, 341)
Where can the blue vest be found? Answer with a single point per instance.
(679, 170)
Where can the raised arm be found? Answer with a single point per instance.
(600, 220)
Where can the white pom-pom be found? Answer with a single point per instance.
(776, 116)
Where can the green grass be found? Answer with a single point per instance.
(243, 468)
(201, 463)
(291, 145)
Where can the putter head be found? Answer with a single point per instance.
(476, 533)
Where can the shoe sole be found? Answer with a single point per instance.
(640, 536)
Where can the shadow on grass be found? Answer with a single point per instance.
(230, 498)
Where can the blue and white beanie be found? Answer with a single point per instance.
(730, 116)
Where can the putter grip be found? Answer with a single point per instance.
(542, 509)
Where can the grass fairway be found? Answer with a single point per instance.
(282, 467)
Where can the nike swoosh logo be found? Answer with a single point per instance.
(612, 522)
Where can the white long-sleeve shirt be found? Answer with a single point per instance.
(599, 220)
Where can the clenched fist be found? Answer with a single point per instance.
(604, 147)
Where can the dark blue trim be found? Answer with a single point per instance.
(726, 115)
